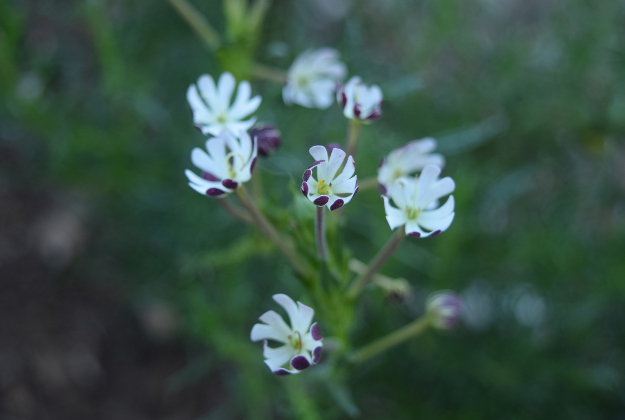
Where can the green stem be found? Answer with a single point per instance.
(320, 234)
(268, 229)
(260, 71)
(197, 22)
(367, 183)
(234, 210)
(380, 345)
(376, 263)
(353, 130)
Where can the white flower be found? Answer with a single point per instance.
(412, 198)
(312, 78)
(301, 341)
(212, 111)
(330, 188)
(407, 160)
(443, 309)
(228, 163)
(359, 101)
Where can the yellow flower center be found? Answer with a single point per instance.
(322, 188)
(412, 213)
(295, 340)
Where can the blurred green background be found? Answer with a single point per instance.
(527, 100)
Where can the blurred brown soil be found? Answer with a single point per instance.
(69, 350)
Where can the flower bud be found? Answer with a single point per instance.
(267, 136)
(443, 309)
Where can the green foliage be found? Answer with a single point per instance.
(527, 101)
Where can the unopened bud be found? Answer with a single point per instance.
(267, 136)
(443, 309)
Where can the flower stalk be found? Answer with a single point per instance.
(382, 344)
(234, 210)
(320, 234)
(197, 22)
(263, 72)
(268, 229)
(353, 131)
(376, 263)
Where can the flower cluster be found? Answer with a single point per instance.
(408, 178)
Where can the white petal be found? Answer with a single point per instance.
(412, 226)
(336, 160)
(225, 88)
(244, 109)
(437, 190)
(345, 187)
(309, 343)
(394, 217)
(289, 306)
(278, 361)
(275, 321)
(304, 319)
(206, 86)
(319, 153)
(434, 224)
(201, 114)
(265, 332)
(348, 171)
(443, 211)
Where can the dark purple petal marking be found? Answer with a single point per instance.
(374, 115)
(343, 100)
(316, 354)
(300, 362)
(337, 204)
(229, 183)
(306, 175)
(355, 191)
(209, 177)
(281, 372)
(415, 234)
(315, 163)
(214, 192)
(383, 189)
(252, 165)
(304, 189)
(322, 200)
(436, 232)
(198, 128)
(315, 332)
(357, 110)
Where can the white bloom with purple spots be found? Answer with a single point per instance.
(311, 80)
(443, 309)
(211, 107)
(228, 163)
(301, 342)
(359, 101)
(331, 187)
(408, 160)
(413, 198)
